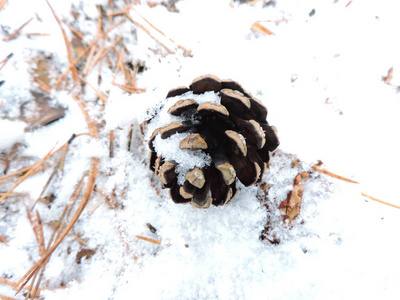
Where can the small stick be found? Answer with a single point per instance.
(16, 33)
(158, 242)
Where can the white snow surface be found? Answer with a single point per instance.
(320, 76)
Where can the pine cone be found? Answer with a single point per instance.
(205, 137)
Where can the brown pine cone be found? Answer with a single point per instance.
(206, 136)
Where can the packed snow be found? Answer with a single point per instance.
(321, 74)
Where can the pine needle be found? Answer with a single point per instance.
(326, 172)
(27, 174)
(100, 94)
(158, 242)
(67, 44)
(17, 32)
(85, 198)
(3, 3)
(380, 201)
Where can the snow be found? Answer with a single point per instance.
(320, 76)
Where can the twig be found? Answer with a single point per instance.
(17, 32)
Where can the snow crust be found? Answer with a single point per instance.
(320, 76)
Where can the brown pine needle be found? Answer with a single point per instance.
(85, 198)
(170, 51)
(260, 28)
(83, 53)
(2, 297)
(3, 239)
(17, 32)
(4, 61)
(36, 34)
(2, 3)
(100, 94)
(380, 201)
(326, 172)
(318, 169)
(27, 174)
(67, 44)
(188, 52)
(101, 54)
(253, 2)
(158, 242)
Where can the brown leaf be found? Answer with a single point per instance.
(291, 206)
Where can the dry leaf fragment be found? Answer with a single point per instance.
(388, 78)
(291, 206)
(3, 239)
(84, 253)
